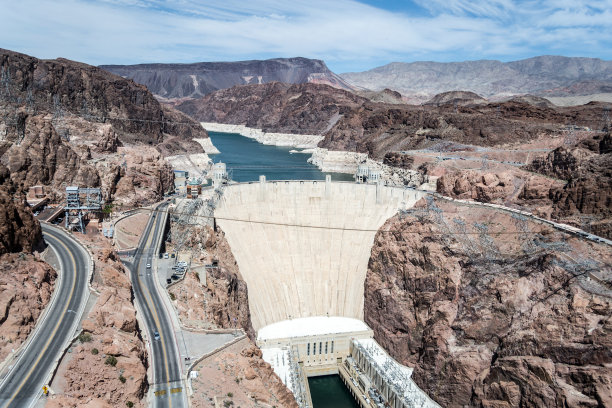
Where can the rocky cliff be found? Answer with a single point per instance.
(544, 75)
(491, 310)
(172, 81)
(87, 375)
(62, 122)
(585, 200)
(275, 107)
(26, 286)
(19, 230)
(353, 123)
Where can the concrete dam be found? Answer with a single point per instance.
(303, 247)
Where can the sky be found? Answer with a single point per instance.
(348, 35)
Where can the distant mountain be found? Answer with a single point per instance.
(543, 76)
(173, 81)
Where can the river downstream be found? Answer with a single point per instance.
(246, 160)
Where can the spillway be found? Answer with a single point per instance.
(303, 246)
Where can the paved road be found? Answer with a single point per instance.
(169, 391)
(24, 382)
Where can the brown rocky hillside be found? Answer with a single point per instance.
(491, 310)
(64, 122)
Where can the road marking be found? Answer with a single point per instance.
(149, 301)
(176, 390)
(63, 314)
(160, 393)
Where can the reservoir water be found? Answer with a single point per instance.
(247, 159)
(329, 391)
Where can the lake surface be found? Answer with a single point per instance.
(247, 159)
(329, 391)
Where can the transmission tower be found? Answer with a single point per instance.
(522, 226)
(489, 250)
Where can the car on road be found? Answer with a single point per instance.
(166, 256)
(148, 266)
(156, 335)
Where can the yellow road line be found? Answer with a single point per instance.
(149, 301)
(63, 314)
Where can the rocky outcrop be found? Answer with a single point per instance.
(26, 286)
(352, 123)
(19, 230)
(587, 167)
(43, 157)
(238, 376)
(473, 185)
(275, 107)
(65, 123)
(229, 304)
(108, 364)
(173, 81)
(488, 316)
(397, 159)
(455, 98)
(67, 87)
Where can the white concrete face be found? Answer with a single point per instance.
(315, 265)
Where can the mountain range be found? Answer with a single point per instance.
(551, 76)
(172, 81)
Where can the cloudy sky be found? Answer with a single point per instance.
(349, 35)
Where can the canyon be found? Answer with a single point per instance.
(486, 308)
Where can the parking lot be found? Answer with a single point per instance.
(170, 269)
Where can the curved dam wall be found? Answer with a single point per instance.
(303, 247)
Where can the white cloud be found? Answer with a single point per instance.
(347, 34)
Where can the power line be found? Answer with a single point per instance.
(324, 227)
(170, 122)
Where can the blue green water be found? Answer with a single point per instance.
(247, 159)
(329, 391)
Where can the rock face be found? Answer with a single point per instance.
(110, 331)
(456, 98)
(275, 107)
(229, 306)
(238, 376)
(544, 75)
(489, 319)
(19, 230)
(473, 185)
(62, 123)
(586, 198)
(353, 123)
(67, 87)
(26, 285)
(43, 158)
(173, 81)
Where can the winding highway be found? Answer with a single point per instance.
(167, 386)
(23, 384)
